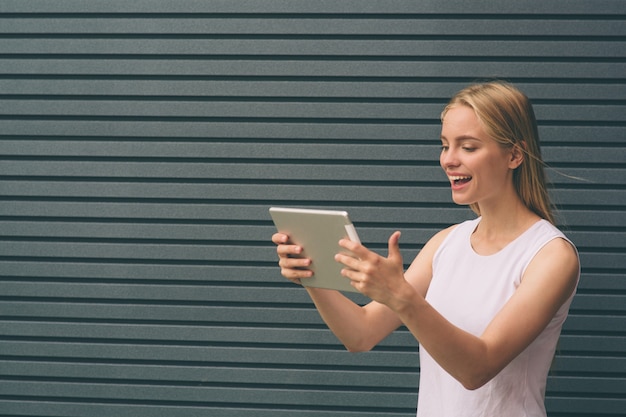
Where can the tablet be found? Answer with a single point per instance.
(318, 233)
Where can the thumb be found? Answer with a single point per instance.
(394, 245)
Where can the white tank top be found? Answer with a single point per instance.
(469, 289)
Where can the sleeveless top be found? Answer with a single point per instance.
(468, 290)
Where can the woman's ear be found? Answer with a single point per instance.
(517, 155)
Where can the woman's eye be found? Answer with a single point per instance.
(468, 149)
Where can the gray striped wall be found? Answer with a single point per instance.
(141, 144)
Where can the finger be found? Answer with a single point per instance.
(348, 261)
(289, 250)
(296, 274)
(280, 238)
(357, 249)
(291, 276)
(349, 244)
(356, 278)
(294, 263)
(351, 274)
(394, 246)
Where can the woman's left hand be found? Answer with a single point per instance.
(373, 275)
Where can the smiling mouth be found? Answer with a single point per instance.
(458, 180)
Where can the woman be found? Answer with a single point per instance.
(486, 299)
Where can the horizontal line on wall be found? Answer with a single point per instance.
(256, 99)
(135, 240)
(280, 99)
(245, 181)
(242, 406)
(382, 15)
(588, 330)
(287, 36)
(137, 261)
(580, 146)
(582, 248)
(194, 384)
(191, 119)
(152, 221)
(278, 162)
(318, 58)
(230, 140)
(586, 185)
(410, 348)
(409, 142)
(598, 228)
(594, 292)
(239, 202)
(592, 354)
(185, 242)
(225, 36)
(272, 120)
(607, 271)
(206, 364)
(330, 78)
(249, 99)
(129, 302)
(234, 222)
(130, 280)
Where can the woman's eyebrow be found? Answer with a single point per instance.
(469, 137)
(463, 138)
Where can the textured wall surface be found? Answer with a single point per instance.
(141, 144)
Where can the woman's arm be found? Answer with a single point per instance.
(547, 283)
(358, 328)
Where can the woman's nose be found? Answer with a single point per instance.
(448, 158)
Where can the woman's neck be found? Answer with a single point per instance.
(500, 224)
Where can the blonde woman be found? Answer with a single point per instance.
(485, 299)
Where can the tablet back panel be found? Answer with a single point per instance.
(318, 232)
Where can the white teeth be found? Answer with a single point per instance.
(458, 178)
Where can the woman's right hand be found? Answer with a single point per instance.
(292, 266)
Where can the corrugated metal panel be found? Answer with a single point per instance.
(142, 143)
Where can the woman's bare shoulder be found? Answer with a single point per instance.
(440, 236)
(420, 272)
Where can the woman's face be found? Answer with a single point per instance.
(479, 169)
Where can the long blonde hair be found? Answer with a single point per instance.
(508, 117)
